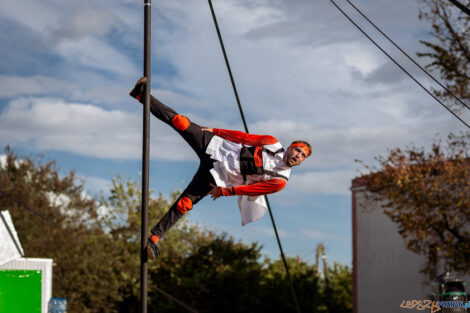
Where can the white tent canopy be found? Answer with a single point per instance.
(10, 249)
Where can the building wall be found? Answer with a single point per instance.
(384, 272)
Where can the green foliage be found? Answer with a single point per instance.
(449, 50)
(277, 294)
(224, 276)
(123, 222)
(339, 296)
(85, 271)
(96, 250)
(427, 195)
(220, 275)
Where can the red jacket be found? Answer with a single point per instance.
(258, 188)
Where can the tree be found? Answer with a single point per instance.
(210, 272)
(95, 245)
(65, 226)
(428, 195)
(449, 51)
(96, 250)
(123, 222)
(277, 295)
(220, 275)
(340, 294)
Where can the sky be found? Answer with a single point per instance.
(302, 72)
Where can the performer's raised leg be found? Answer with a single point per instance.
(191, 132)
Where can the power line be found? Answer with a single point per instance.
(396, 63)
(461, 6)
(406, 54)
(294, 295)
(228, 67)
(187, 307)
(21, 204)
(27, 208)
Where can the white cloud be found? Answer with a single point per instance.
(37, 16)
(256, 231)
(85, 129)
(253, 230)
(179, 100)
(320, 182)
(3, 161)
(83, 21)
(77, 31)
(95, 184)
(95, 53)
(58, 200)
(302, 72)
(316, 234)
(14, 86)
(94, 89)
(56, 20)
(92, 131)
(276, 76)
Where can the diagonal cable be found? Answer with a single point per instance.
(397, 64)
(294, 295)
(27, 208)
(181, 303)
(228, 67)
(461, 7)
(406, 54)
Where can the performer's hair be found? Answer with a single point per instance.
(305, 143)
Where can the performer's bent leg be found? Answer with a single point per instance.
(191, 132)
(196, 190)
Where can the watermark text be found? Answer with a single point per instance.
(433, 305)
(421, 305)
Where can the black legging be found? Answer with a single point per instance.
(200, 184)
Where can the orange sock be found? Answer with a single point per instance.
(154, 238)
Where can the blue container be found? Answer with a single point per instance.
(57, 305)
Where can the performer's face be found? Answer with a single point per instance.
(294, 156)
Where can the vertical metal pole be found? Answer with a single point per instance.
(145, 160)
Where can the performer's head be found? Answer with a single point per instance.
(297, 152)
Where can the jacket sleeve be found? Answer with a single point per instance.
(256, 189)
(244, 138)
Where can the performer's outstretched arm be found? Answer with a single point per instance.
(241, 137)
(256, 189)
